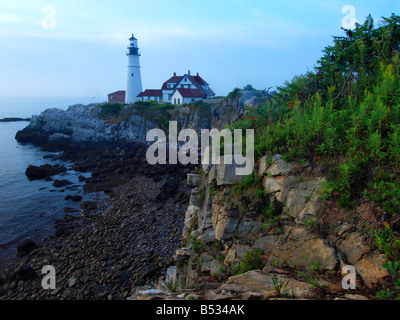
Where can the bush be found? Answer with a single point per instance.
(344, 116)
(250, 261)
(109, 110)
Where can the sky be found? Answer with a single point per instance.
(76, 48)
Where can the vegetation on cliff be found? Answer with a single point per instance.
(345, 118)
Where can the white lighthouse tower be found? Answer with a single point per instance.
(134, 83)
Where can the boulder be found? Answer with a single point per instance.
(25, 272)
(193, 179)
(43, 171)
(259, 282)
(299, 247)
(371, 269)
(280, 168)
(26, 246)
(73, 198)
(170, 185)
(354, 247)
(61, 183)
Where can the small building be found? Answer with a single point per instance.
(117, 96)
(150, 95)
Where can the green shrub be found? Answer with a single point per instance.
(109, 110)
(250, 261)
(343, 116)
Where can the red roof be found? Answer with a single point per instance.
(190, 93)
(150, 93)
(198, 80)
(174, 79)
(117, 93)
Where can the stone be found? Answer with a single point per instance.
(296, 202)
(354, 247)
(248, 226)
(278, 186)
(262, 165)
(73, 282)
(299, 247)
(194, 179)
(195, 198)
(171, 276)
(236, 251)
(208, 236)
(121, 277)
(228, 220)
(26, 246)
(61, 183)
(280, 168)
(371, 269)
(43, 171)
(355, 297)
(226, 174)
(74, 198)
(267, 244)
(258, 282)
(209, 264)
(170, 185)
(25, 272)
(312, 208)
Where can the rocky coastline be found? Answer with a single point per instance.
(124, 240)
(182, 232)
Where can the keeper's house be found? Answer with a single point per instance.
(179, 90)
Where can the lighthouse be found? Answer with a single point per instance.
(134, 79)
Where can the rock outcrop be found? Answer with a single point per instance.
(218, 237)
(80, 125)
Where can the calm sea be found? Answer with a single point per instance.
(28, 208)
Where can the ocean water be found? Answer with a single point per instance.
(28, 208)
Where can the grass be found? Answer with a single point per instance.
(250, 261)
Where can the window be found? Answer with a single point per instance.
(170, 96)
(179, 101)
(131, 74)
(174, 100)
(193, 99)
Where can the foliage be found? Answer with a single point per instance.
(388, 244)
(109, 110)
(234, 94)
(279, 285)
(250, 261)
(386, 294)
(344, 116)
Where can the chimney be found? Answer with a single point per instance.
(189, 72)
(174, 74)
(197, 74)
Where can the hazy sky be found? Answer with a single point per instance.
(77, 48)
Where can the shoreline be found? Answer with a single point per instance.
(139, 226)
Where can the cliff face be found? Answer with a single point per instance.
(222, 242)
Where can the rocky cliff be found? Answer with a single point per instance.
(80, 125)
(233, 252)
(84, 126)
